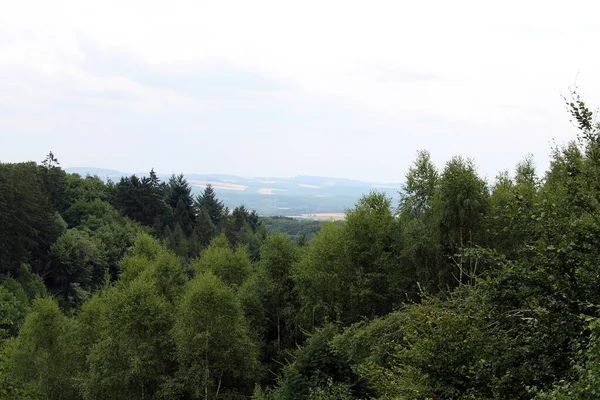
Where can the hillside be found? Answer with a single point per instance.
(295, 196)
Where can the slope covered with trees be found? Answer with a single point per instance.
(300, 231)
(465, 289)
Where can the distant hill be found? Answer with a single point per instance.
(296, 196)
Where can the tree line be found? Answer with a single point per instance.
(464, 290)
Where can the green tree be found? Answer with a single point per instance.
(179, 198)
(132, 358)
(348, 272)
(209, 202)
(78, 265)
(54, 180)
(316, 368)
(280, 305)
(12, 313)
(421, 185)
(203, 233)
(418, 234)
(231, 266)
(584, 378)
(322, 279)
(177, 240)
(462, 203)
(151, 261)
(214, 351)
(143, 200)
(509, 226)
(86, 189)
(26, 217)
(38, 360)
(375, 282)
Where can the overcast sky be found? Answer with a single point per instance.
(281, 88)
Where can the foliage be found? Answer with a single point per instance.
(134, 348)
(231, 266)
(137, 289)
(78, 263)
(321, 279)
(213, 348)
(37, 363)
(208, 201)
(315, 368)
(299, 231)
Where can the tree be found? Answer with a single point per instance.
(177, 240)
(589, 130)
(376, 282)
(208, 201)
(26, 217)
(179, 198)
(322, 279)
(316, 367)
(127, 198)
(78, 265)
(55, 182)
(214, 351)
(418, 234)
(203, 233)
(132, 358)
(584, 380)
(149, 260)
(462, 203)
(38, 360)
(143, 200)
(420, 187)
(85, 189)
(350, 271)
(12, 313)
(278, 256)
(231, 266)
(508, 224)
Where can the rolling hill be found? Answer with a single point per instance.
(308, 196)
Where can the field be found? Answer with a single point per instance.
(217, 185)
(321, 216)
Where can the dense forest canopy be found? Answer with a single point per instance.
(465, 289)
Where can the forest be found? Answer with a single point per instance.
(299, 231)
(464, 289)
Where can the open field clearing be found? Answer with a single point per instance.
(322, 216)
(269, 190)
(219, 185)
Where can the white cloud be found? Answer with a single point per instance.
(494, 71)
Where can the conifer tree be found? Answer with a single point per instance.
(208, 201)
(179, 198)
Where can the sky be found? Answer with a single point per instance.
(348, 89)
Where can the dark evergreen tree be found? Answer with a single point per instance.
(240, 217)
(55, 182)
(208, 201)
(203, 232)
(143, 200)
(26, 217)
(127, 197)
(253, 220)
(179, 198)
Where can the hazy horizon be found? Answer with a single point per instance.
(163, 173)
